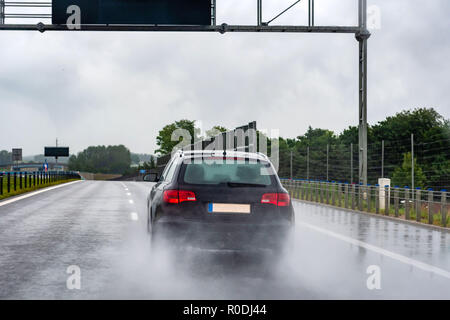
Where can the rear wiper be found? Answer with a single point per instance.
(243, 185)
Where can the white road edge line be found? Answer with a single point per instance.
(27, 195)
(387, 253)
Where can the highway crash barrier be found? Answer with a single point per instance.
(17, 182)
(424, 206)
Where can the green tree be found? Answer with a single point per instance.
(135, 158)
(349, 136)
(148, 165)
(73, 163)
(152, 163)
(439, 174)
(5, 157)
(101, 159)
(419, 122)
(430, 133)
(165, 141)
(316, 140)
(215, 131)
(432, 148)
(119, 159)
(402, 174)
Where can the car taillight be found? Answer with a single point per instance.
(269, 198)
(171, 196)
(178, 196)
(283, 199)
(277, 199)
(184, 195)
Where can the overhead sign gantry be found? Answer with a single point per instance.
(184, 16)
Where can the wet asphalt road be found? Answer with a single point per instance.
(100, 227)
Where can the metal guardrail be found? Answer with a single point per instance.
(18, 180)
(425, 206)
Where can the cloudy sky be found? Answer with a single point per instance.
(122, 88)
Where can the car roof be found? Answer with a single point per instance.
(222, 153)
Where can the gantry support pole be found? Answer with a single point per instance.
(362, 36)
(2, 11)
(259, 13)
(311, 13)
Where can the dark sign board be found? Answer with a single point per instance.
(16, 154)
(56, 152)
(165, 12)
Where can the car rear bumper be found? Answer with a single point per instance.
(223, 236)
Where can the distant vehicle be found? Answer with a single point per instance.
(217, 200)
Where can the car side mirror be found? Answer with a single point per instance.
(151, 177)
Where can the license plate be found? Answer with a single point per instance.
(228, 208)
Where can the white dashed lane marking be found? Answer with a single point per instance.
(134, 216)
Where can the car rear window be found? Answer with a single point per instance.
(220, 171)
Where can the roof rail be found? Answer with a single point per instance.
(263, 155)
